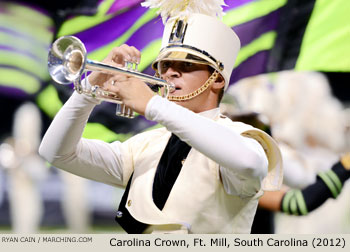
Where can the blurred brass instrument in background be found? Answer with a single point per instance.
(67, 62)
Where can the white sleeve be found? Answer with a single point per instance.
(242, 159)
(64, 147)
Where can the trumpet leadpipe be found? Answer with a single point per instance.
(99, 66)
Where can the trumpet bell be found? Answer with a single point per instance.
(66, 59)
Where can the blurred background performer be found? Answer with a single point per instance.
(311, 128)
(25, 170)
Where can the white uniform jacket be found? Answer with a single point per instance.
(206, 197)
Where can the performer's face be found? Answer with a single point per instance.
(187, 77)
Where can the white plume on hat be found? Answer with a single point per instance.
(172, 9)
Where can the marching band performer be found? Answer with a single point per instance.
(201, 172)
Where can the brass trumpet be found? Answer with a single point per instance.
(67, 62)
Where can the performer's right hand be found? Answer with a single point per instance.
(117, 57)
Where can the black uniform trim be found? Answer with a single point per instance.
(168, 169)
(124, 218)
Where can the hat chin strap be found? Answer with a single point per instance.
(197, 92)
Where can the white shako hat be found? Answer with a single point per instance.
(197, 37)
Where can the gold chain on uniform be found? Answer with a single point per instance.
(197, 92)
